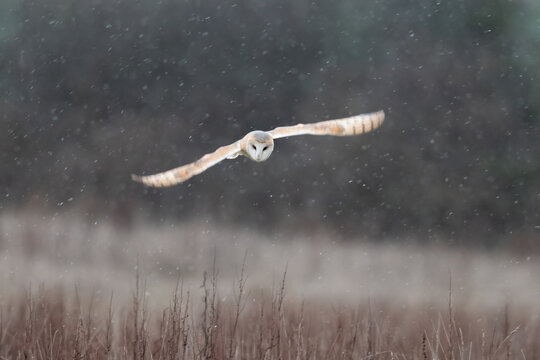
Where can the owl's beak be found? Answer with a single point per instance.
(258, 153)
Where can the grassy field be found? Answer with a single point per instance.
(76, 289)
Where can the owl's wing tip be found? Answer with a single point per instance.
(136, 178)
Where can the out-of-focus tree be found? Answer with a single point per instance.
(93, 91)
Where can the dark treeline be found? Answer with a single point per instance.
(93, 91)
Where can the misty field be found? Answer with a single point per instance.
(73, 289)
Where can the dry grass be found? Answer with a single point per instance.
(92, 291)
(43, 324)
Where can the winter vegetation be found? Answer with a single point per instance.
(43, 324)
(75, 290)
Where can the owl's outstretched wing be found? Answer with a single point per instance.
(182, 173)
(354, 125)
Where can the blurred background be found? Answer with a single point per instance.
(435, 213)
(92, 91)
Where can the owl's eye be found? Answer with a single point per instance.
(264, 148)
(253, 147)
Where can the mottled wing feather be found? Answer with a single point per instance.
(354, 125)
(182, 173)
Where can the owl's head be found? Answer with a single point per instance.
(258, 145)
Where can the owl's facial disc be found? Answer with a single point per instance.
(259, 146)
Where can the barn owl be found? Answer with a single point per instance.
(258, 146)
